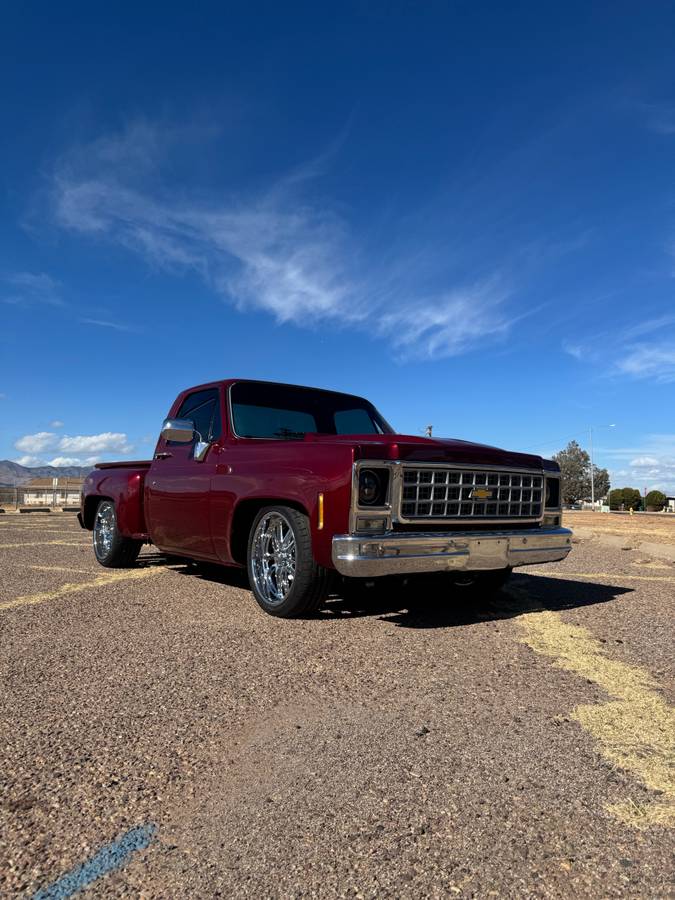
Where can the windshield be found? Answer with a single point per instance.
(262, 410)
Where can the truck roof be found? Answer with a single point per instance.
(226, 382)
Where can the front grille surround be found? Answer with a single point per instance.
(436, 493)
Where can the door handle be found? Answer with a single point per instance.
(163, 455)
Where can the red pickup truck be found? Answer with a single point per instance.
(298, 484)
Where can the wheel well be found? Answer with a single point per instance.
(90, 507)
(242, 520)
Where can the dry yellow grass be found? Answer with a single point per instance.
(658, 529)
(635, 729)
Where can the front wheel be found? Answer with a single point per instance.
(112, 549)
(284, 578)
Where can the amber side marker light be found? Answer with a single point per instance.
(320, 522)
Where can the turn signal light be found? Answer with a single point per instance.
(371, 524)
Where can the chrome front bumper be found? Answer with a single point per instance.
(404, 553)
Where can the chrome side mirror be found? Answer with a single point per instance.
(180, 430)
(183, 432)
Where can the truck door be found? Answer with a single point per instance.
(178, 487)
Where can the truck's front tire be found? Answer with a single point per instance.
(284, 577)
(112, 549)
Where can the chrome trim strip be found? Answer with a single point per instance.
(370, 556)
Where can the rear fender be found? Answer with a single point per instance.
(125, 489)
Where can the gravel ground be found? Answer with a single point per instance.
(637, 528)
(411, 744)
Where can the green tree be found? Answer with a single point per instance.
(655, 500)
(574, 465)
(632, 498)
(575, 471)
(600, 482)
(616, 498)
(626, 497)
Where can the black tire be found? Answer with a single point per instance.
(299, 594)
(480, 585)
(112, 550)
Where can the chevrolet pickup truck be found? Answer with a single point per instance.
(301, 485)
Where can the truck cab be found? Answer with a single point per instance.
(301, 485)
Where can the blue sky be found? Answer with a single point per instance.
(463, 211)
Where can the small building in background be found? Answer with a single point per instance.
(51, 491)
(670, 505)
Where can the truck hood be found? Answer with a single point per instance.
(412, 448)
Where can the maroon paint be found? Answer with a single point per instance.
(187, 507)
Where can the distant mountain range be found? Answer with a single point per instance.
(12, 473)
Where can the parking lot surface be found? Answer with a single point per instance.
(160, 736)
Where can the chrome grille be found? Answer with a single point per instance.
(440, 493)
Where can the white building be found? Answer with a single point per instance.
(51, 492)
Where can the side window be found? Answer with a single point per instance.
(203, 407)
(354, 421)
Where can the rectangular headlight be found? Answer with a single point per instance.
(373, 486)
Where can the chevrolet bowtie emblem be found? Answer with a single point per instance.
(481, 494)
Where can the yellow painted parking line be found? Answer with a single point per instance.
(76, 587)
(35, 532)
(635, 731)
(43, 544)
(572, 576)
(54, 568)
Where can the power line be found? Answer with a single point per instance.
(556, 441)
(577, 435)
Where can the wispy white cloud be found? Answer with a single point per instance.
(620, 353)
(31, 287)
(578, 351)
(56, 423)
(274, 250)
(451, 324)
(29, 460)
(96, 443)
(660, 117)
(643, 462)
(649, 361)
(83, 447)
(36, 443)
(103, 323)
(73, 461)
(648, 326)
(650, 464)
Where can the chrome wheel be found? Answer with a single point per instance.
(273, 558)
(104, 529)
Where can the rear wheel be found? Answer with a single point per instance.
(284, 578)
(112, 549)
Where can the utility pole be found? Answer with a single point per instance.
(428, 430)
(590, 431)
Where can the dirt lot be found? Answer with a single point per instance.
(161, 737)
(660, 529)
